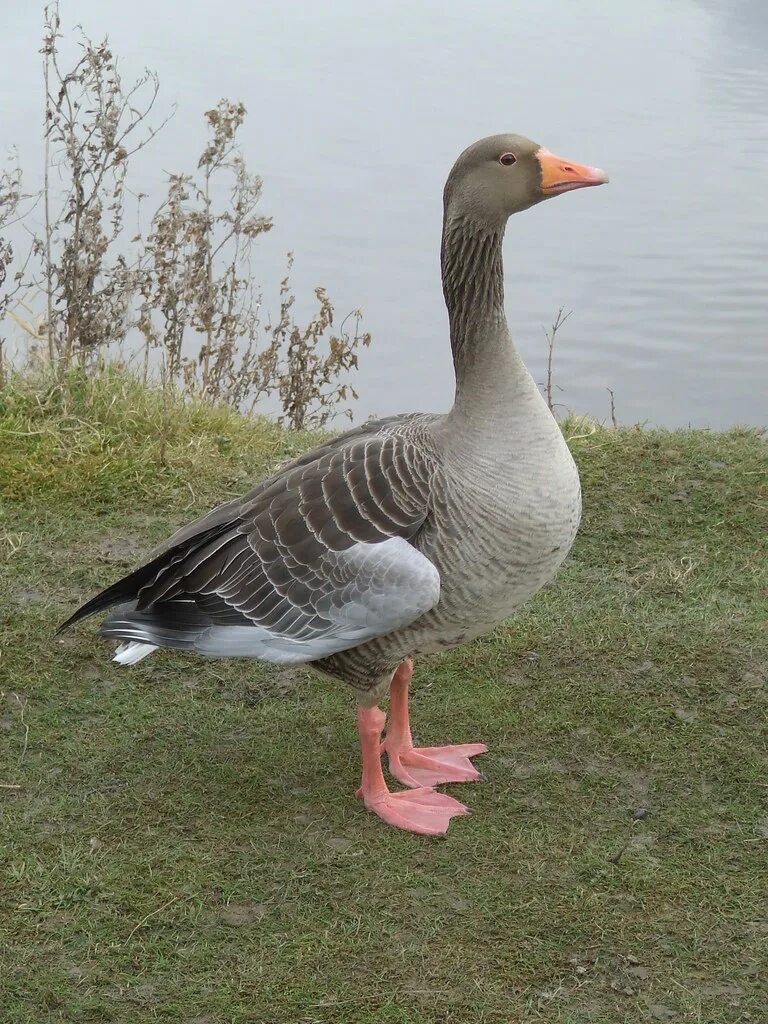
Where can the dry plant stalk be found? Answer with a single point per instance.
(93, 125)
(614, 421)
(196, 284)
(306, 379)
(550, 335)
(184, 286)
(10, 199)
(196, 279)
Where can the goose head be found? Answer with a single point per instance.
(504, 174)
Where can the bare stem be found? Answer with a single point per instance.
(550, 335)
(613, 407)
(51, 24)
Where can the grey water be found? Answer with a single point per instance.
(357, 110)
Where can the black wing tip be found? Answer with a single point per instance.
(89, 608)
(127, 588)
(65, 625)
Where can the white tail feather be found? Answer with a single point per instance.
(132, 651)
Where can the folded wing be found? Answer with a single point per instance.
(318, 559)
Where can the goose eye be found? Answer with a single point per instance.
(508, 159)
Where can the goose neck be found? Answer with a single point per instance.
(488, 369)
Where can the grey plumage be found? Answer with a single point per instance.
(314, 560)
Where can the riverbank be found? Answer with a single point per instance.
(181, 840)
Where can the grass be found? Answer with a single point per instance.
(181, 842)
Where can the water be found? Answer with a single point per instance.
(357, 111)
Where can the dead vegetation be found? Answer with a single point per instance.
(10, 199)
(551, 335)
(173, 296)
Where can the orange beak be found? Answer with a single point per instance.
(561, 175)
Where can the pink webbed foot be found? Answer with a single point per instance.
(431, 766)
(423, 766)
(418, 810)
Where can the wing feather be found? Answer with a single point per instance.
(320, 557)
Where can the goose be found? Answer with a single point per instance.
(402, 537)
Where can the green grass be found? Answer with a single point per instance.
(180, 840)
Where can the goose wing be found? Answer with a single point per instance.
(316, 559)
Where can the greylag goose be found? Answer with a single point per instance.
(402, 537)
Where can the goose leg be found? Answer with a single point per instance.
(417, 810)
(422, 766)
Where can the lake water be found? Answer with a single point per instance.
(357, 111)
